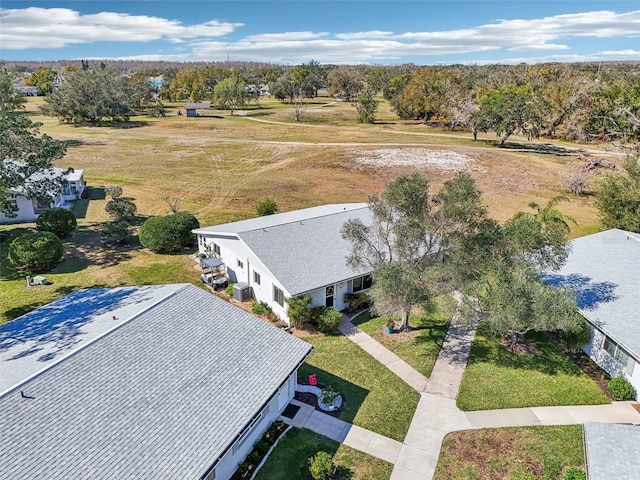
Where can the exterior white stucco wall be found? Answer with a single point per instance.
(594, 349)
(230, 461)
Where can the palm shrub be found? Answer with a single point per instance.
(621, 388)
(35, 251)
(59, 221)
(168, 234)
(298, 311)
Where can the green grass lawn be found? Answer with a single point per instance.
(288, 460)
(520, 453)
(375, 398)
(420, 350)
(497, 378)
(87, 263)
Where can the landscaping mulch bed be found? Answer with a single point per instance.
(311, 399)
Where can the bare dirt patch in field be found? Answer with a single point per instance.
(417, 157)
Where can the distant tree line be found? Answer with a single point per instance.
(573, 101)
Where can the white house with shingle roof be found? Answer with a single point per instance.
(603, 270)
(285, 255)
(28, 208)
(146, 382)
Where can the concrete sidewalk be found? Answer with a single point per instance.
(437, 413)
(351, 435)
(447, 372)
(402, 369)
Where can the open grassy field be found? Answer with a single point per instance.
(498, 378)
(221, 166)
(522, 453)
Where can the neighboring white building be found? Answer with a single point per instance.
(290, 254)
(154, 382)
(603, 270)
(28, 209)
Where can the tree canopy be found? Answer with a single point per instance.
(407, 239)
(94, 96)
(420, 245)
(618, 198)
(24, 152)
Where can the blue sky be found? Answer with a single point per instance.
(296, 31)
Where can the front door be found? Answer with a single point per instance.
(329, 291)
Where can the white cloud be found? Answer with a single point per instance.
(286, 36)
(358, 35)
(59, 27)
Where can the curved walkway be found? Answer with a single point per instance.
(437, 413)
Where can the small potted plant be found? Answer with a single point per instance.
(389, 325)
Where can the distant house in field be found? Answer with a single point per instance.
(603, 270)
(153, 382)
(192, 108)
(612, 452)
(28, 208)
(27, 90)
(290, 254)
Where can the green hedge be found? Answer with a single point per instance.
(168, 234)
(59, 221)
(35, 251)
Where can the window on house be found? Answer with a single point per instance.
(362, 283)
(256, 277)
(216, 248)
(278, 296)
(240, 264)
(615, 351)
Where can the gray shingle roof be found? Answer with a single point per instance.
(308, 254)
(613, 451)
(604, 271)
(161, 396)
(303, 249)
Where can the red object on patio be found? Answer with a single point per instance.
(313, 380)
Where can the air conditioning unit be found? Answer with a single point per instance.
(241, 292)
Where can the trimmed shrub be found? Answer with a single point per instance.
(229, 289)
(621, 388)
(266, 207)
(329, 321)
(120, 208)
(35, 251)
(320, 465)
(574, 340)
(574, 473)
(59, 221)
(114, 191)
(168, 234)
(261, 308)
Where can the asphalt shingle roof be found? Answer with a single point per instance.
(613, 451)
(161, 396)
(604, 271)
(303, 249)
